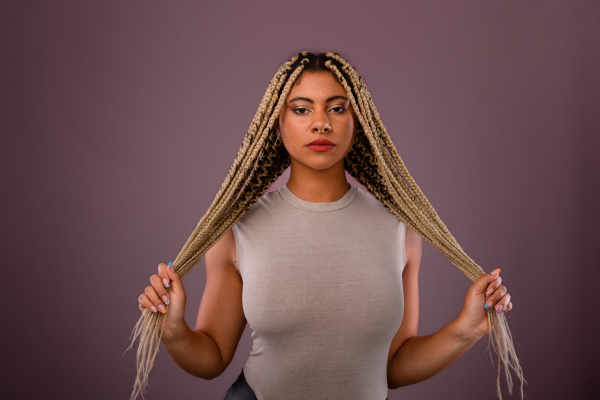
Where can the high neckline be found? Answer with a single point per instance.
(297, 202)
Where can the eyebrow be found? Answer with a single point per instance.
(313, 102)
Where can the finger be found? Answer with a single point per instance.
(144, 303)
(493, 286)
(162, 271)
(503, 303)
(496, 297)
(175, 280)
(154, 299)
(484, 280)
(159, 288)
(509, 306)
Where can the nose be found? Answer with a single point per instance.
(320, 122)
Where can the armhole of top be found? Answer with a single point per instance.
(403, 239)
(238, 248)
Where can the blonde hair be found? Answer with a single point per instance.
(373, 161)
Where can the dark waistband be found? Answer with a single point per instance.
(240, 390)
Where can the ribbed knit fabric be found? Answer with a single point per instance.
(322, 292)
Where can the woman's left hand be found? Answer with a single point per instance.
(485, 293)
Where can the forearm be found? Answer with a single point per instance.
(196, 353)
(421, 357)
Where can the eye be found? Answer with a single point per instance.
(300, 110)
(338, 109)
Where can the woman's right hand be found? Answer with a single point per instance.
(156, 299)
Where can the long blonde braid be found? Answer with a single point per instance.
(373, 161)
(399, 193)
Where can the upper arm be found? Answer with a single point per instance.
(221, 315)
(410, 283)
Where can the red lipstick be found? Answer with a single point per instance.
(320, 145)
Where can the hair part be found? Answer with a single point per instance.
(373, 161)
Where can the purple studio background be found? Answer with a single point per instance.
(120, 120)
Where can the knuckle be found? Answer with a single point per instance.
(149, 290)
(156, 281)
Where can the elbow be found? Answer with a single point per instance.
(395, 384)
(208, 371)
(210, 374)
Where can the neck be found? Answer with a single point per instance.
(318, 186)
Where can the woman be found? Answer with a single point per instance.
(325, 274)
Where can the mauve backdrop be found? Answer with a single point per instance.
(119, 121)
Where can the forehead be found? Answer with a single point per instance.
(316, 84)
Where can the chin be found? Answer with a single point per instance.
(321, 167)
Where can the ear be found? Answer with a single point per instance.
(276, 127)
(358, 129)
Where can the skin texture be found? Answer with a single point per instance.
(207, 350)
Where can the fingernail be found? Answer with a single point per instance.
(170, 263)
(488, 305)
(165, 282)
(490, 291)
(165, 299)
(161, 308)
(496, 271)
(153, 309)
(498, 307)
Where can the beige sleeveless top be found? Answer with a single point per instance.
(322, 293)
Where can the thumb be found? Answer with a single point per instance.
(484, 280)
(175, 278)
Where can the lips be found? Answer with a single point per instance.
(321, 142)
(320, 145)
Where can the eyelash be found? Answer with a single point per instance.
(342, 109)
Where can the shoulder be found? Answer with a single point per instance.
(413, 243)
(371, 208)
(223, 252)
(263, 207)
(365, 200)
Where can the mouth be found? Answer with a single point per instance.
(321, 145)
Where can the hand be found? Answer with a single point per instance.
(485, 293)
(156, 299)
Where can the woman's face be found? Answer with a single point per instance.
(317, 109)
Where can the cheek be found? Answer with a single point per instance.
(352, 127)
(287, 142)
(351, 143)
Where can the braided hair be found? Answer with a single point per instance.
(373, 161)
